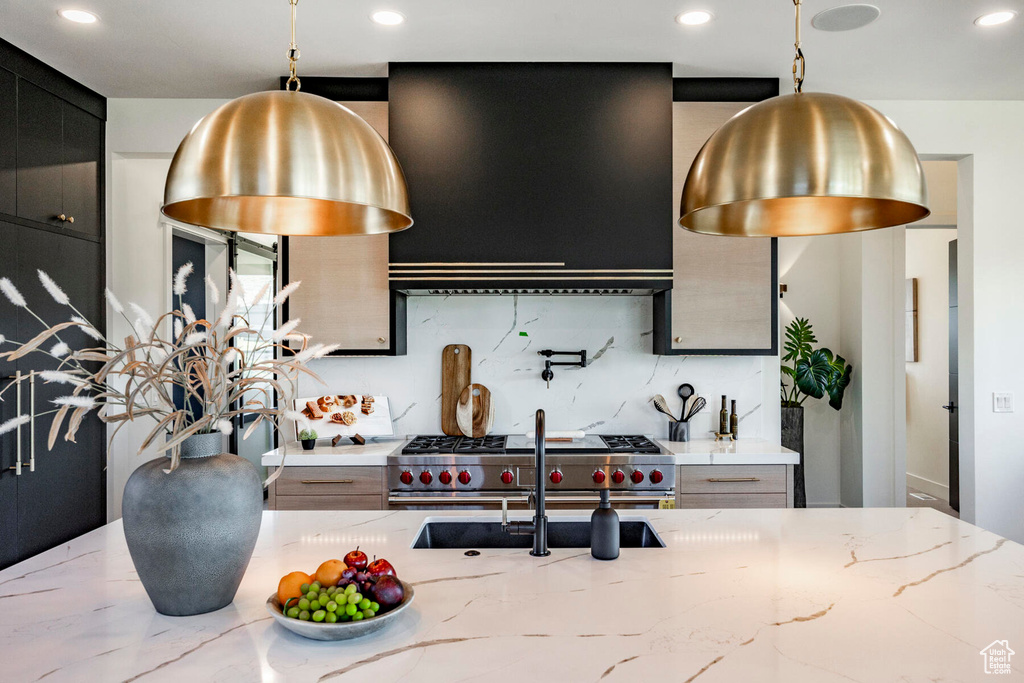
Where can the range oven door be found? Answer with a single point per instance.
(491, 500)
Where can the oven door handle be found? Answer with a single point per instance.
(614, 499)
(451, 500)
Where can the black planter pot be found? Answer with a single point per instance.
(308, 444)
(793, 439)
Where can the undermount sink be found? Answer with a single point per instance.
(566, 532)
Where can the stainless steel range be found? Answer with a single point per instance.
(435, 472)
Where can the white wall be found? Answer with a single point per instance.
(808, 266)
(928, 378)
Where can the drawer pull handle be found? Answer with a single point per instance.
(730, 480)
(328, 481)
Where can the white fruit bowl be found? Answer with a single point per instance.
(342, 630)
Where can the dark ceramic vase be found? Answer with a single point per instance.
(793, 439)
(191, 532)
(308, 444)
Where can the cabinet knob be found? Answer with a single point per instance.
(62, 217)
(679, 340)
(381, 340)
(71, 219)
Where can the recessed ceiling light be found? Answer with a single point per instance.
(995, 18)
(79, 16)
(694, 18)
(387, 17)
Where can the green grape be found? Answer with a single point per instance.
(331, 606)
(350, 589)
(293, 612)
(314, 605)
(375, 606)
(331, 618)
(342, 616)
(332, 590)
(355, 599)
(367, 613)
(304, 588)
(304, 603)
(304, 615)
(319, 615)
(312, 595)
(358, 616)
(351, 609)
(315, 586)
(364, 604)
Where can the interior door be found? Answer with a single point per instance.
(954, 385)
(66, 494)
(8, 143)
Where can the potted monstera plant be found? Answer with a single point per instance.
(811, 373)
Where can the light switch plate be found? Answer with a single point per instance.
(1002, 402)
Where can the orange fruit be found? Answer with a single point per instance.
(329, 573)
(290, 586)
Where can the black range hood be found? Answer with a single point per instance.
(533, 178)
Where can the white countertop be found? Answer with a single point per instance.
(740, 452)
(696, 452)
(738, 595)
(345, 453)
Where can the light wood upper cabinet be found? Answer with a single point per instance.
(723, 298)
(344, 297)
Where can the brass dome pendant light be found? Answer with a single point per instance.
(804, 164)
(287, 163)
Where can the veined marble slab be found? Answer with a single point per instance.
(740, 452)
(738, 595)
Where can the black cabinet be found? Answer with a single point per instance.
(60, 152)
(65, 496)
(51, 163)
(8, 142)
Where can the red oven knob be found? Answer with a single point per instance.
(465, 477)
(406, 477)
(506, 477)
(618, 477)
(556, 477)
(598, 477)
(636, 477)
(445, 477)
(656, 476)
(426, 477)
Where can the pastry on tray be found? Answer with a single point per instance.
(314, 410)
(348, 401)
(348, 418)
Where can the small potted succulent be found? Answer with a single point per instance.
(308, 439)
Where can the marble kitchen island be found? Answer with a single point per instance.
(758, 595)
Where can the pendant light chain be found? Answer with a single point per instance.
(293, 54)
(798, 58)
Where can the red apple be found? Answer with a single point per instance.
(379, 568)
(388, 592)
(357, 559)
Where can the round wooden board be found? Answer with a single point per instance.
(475, 412)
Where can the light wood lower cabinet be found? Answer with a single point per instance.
(734, 486)
(328, 488)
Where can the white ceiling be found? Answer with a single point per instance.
(918, 49)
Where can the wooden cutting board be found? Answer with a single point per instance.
(475, 412)
(456, 368)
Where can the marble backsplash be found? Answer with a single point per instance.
(611, 395)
